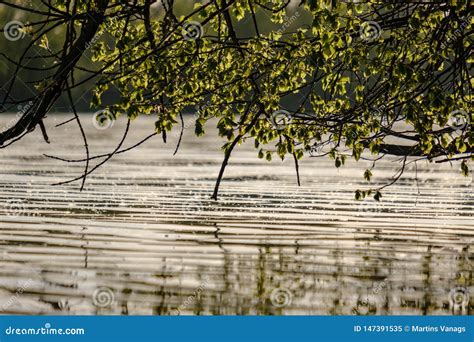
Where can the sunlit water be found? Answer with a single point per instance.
(144, 237)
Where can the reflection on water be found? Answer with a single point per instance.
(144, 238)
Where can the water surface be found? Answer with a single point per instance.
(144, 238)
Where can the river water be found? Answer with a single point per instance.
(143, 238)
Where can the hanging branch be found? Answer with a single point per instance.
(394, 79)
